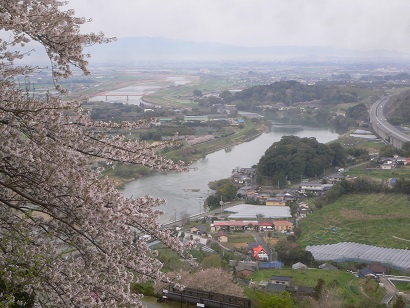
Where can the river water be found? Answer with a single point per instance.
(130, 95)
(133, 94)
(187, 191)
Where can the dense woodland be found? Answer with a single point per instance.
(292, 158)
(398, 110)
(290, 93)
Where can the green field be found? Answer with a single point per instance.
(181, 96)
(361, 171)
(373, 146)
(353, 290)
(402, 286)
(172, 96)
(372, 219)
(240, 238)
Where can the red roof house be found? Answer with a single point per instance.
(260, 254)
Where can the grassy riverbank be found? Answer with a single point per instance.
(122, 174)
(251, 130)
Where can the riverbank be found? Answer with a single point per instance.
(192, 153)
(177, 187)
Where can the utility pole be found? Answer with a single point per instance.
(221, 203)
(200, 205)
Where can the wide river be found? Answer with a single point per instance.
(187, 191)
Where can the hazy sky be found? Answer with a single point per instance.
(354, 24)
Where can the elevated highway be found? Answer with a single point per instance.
(384, 129)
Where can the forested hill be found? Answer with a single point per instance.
(398, 110)
(292, 158)
(290, 93)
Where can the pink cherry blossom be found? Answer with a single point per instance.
(66, 233)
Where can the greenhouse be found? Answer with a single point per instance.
(347, 251)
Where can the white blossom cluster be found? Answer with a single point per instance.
(66, 235)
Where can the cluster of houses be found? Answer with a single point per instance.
(242, 225)
(246, 176)
(269, 195)
(258, 251)
(262, 257)
(263, 195)
(389, 163)
(220, 228)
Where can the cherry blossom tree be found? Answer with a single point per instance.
(66, 233)
(214, 279)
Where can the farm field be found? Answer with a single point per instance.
(239, 241)
(372, 219)
(181, 96)
(373, 146)
(361, 171)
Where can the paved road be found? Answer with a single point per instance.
(377, 118)
(269, 248)
(217, 211)
(391, 289)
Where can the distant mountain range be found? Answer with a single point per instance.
(142, 49)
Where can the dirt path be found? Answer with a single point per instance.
(399, 238)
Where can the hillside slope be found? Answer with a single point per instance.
(372, 219)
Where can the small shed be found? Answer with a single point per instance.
(275, 288)
(301, 291)
(387, 166)
(244, 270)
(285, 280)
(366, 272)
(200, 230)
(299, 265)
(378, 268)
(222, 237)
(275, 201)
(328, 267)
(270, 265)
